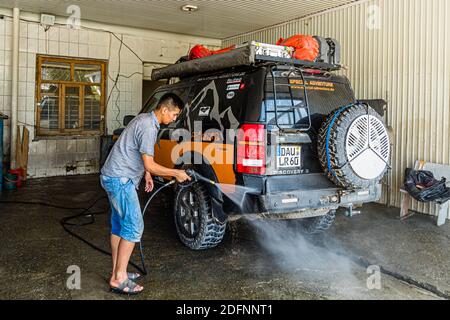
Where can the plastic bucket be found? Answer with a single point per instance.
(11, 181)
(18, 172)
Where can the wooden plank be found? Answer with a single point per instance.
(81, 108)
(18, 149)
(44, 58)
(62, 109)
(38, 96)
(439, 171)
(70, 82)
(404, 211)
(25, 150)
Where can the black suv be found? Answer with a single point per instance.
(282, 139)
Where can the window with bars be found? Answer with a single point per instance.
(70, 96)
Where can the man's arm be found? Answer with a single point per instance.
(157, 170)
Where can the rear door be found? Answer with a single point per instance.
(294, 118)
(285, 112)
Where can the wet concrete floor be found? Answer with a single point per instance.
(256, 260)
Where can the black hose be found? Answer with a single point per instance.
(64, 223)
(40, 203)
(141, 248)
(86, 213)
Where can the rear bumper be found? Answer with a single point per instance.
(286, 202)
(289, 194)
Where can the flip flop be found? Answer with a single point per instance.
(133, 276)
(127, 284)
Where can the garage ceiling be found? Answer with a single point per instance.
(215, 18)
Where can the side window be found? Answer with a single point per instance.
(153, 102)
(183, 93)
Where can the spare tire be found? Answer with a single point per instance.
(354, 147)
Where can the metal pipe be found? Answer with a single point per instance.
(14, 84)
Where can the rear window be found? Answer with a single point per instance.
(323, 97)
(152, 103)
(289, 109)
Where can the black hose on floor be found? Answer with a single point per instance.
(86, 213)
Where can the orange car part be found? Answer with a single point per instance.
(220, 156)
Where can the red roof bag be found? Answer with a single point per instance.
(306, 47)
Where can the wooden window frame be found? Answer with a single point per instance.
(62, 85)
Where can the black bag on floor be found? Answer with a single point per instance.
(422, 186)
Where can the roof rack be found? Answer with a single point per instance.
(249, 54)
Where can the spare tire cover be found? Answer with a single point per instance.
(358, 147)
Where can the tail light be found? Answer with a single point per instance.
(251, 149)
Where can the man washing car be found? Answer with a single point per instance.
(131, 158)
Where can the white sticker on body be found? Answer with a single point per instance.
(234, 80)
(233, 87)
(204, 111)
(230, 95)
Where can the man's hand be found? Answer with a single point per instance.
(149, 185)
(182, 176)
(152, 167)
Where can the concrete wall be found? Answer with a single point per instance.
(67, 156)
(397, 50)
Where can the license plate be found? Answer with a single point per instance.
(288, 157)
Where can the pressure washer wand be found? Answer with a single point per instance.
(198, 177)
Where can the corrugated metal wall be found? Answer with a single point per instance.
(398, 50)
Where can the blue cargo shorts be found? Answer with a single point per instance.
(126, 215)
